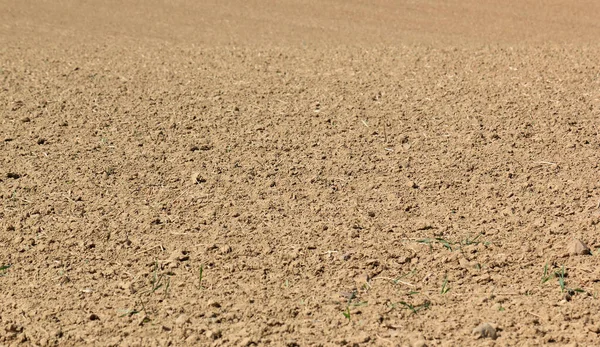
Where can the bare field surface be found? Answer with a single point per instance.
(299, 173)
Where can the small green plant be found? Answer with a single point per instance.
(156, 280)
(346, 313)
(399, 279)
(3, 269)
(439, 240)
(426, 242)
(546, 277)
(561, 278)
(352, 296)
(129, 313)
(444, 243)
(362, 303)
(445, 288)
(500, 308)
(200, 272)
(412, 308)
(159, 281)
(468, 241)
(167, 287)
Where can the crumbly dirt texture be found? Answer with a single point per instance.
(299, 173)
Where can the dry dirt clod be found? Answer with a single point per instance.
(13, 329)
(212, 334)
(225, 249)
(485, 330)
(360, 339)
(182, 319)
(178, 255)
(464, 263)
(213, 303)
(196, 178)
(595, 328)
(247, 342)
(411, 184)
(192, 339)
(362, 280)
(17, 240)
(576, 247)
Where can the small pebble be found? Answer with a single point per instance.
(485, 330)
(576, 247)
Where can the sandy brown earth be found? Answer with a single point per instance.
(297, 173)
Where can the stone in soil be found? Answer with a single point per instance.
(485, 330)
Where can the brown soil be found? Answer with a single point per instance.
(300, 173)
